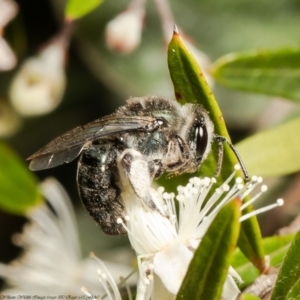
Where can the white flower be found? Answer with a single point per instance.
(165, 242)
(123, 33)
(8, 10)
(51, 263)
(39, 85)
(108, 283)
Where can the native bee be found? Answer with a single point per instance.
(170, 137)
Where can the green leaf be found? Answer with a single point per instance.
(191, 86)
(77, 8)
(18, 189)
(272, 152)
(289, 273)
(294, 292)
(272, 72)
(275, 247)
(209, 267)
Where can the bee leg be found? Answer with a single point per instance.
(156, 168)
(177, 147)
(135, 176)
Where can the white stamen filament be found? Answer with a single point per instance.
(278, 203)
(251, 185)
(86, 292)
(127, 288)
(108, 283)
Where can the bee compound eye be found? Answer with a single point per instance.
(201, 140)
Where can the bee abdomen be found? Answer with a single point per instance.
(99, 194)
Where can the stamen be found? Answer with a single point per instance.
(231, 194)
(128, 290)
(254, 178)
(123, 280)
(251, 185)
(105, 286)
(107, 281)
(160, 189)
(278, 203)
(231, 176)
(237, 167)
(86, 292)
(226, 187)
(99, 272)
(150, 277)
(263, 189)
(239, 180)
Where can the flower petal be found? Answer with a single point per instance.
(171, 265)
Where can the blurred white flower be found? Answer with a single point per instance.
(39, 85)
(108, 283)
(10, 121)
(8, 10)
(51, 263)
(123, 33)
(164, 241)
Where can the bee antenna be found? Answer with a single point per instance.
(220, 140)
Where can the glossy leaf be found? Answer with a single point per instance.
(272, 72)
(18, 188)
(77, 9)
(272, 152)
(289, 273)
(294, 292)
(209, 267)
(275, 247)
(191, 87)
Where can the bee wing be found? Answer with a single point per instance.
(68, 146)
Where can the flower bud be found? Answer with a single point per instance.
(123, 33)
(39, 85)
(8, 10)
(7, 58)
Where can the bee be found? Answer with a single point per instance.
(168, 137)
